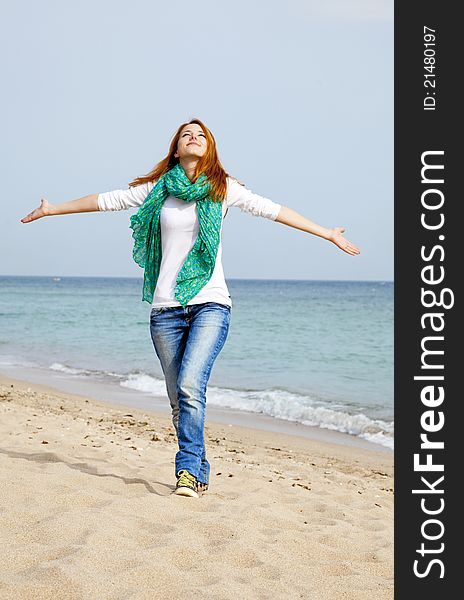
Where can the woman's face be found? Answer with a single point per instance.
(192, 142)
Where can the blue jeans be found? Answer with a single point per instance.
(187, 341)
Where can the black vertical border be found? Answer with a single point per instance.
(417, 131)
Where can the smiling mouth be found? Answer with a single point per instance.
(193, 143)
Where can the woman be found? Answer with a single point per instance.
(177, 240)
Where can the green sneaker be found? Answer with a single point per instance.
(186, 484)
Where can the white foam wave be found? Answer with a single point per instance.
(89, 373)
(276, 403)
(65, 369)
(145, 383)
(282, 405)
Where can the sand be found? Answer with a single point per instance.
(87, 510)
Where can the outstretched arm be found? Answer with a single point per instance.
(46, 209)
(290, 217)
(115, 200)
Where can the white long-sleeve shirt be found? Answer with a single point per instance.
(179, 230)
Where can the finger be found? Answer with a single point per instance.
(352, 246)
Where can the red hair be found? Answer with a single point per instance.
(209, 164)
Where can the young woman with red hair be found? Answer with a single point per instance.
(177, 241)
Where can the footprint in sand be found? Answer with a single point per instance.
(333, 542)
(217, 533)
(270, 572)
(61, 554)
(186, 558)
(372, 525)
(245, 559)
(319, 507)
(273, 533)
(156, 529)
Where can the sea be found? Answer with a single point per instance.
(318, 353)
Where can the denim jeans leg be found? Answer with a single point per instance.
(173, 330)
(169, 333)
(209, 326)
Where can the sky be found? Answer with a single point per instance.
(298, 94)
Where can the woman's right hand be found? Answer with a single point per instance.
(43, 210)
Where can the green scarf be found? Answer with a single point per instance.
(199, 265)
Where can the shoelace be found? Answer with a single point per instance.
(186, 480)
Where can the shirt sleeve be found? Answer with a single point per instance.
(259, 206)
(124, 199)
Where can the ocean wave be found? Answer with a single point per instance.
(145, 383)
(285, 405)
(277, 403)
(69, 370)
(86, 372)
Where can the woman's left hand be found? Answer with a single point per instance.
(337, 238)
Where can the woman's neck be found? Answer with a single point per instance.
(189, 165)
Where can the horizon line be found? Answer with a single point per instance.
(227, 278)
